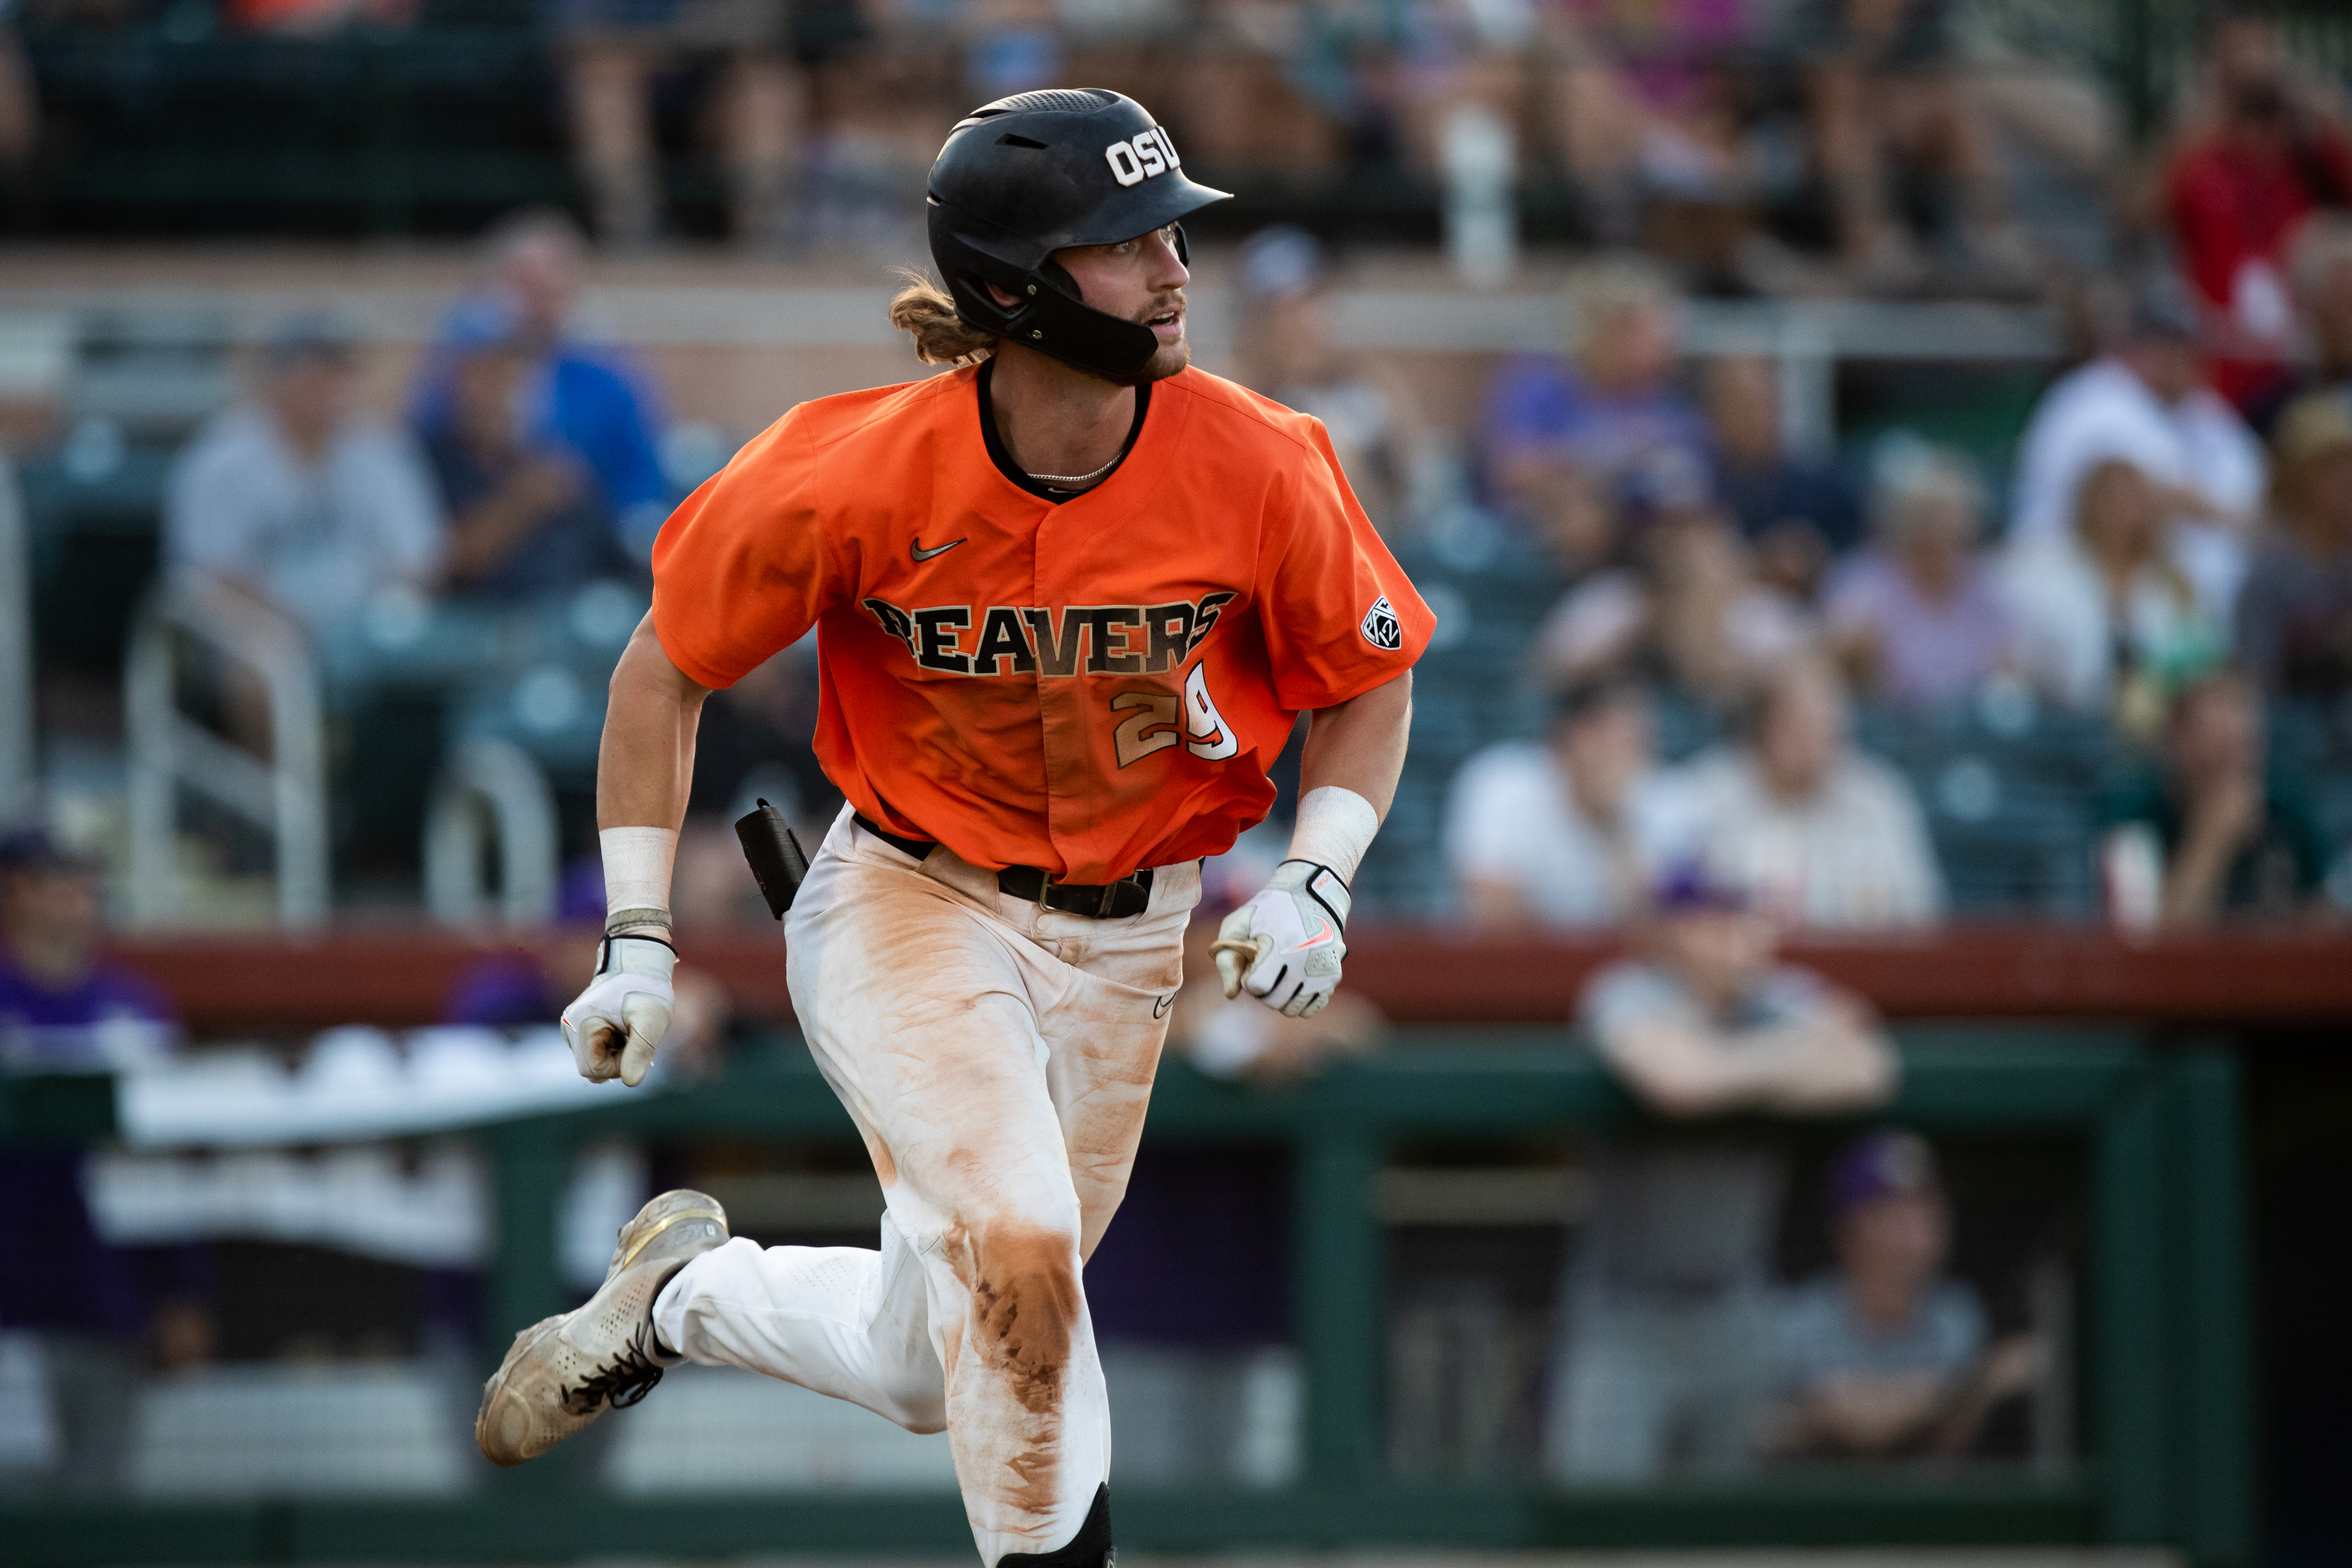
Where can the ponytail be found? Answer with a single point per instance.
(941, 337)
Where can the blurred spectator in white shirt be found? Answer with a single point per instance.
(1566, 832)
(2146, 402)
(297, 497)
(1887, 1354)
(1917, 619)
(2320, 264)
(2294, 616)
(1817, 833)
(1665, 1342)
(2107, 618)
(1286, 353)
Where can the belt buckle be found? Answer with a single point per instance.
(1044, 885)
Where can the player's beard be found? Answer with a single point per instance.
(1169, 358)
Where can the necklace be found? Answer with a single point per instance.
(1067, 480)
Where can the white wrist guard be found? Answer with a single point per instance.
(614, 1026)
(1284, 946)
(1335, 828)
(637, 863)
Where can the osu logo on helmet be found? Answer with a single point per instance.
(1148, 154)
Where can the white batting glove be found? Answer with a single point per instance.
(615, 1026)
(1283, 946)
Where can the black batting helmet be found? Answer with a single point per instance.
(1038, 171)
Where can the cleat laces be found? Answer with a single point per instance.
(628, 1379)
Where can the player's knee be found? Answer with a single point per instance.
(918, 1404)
(1026, 1305)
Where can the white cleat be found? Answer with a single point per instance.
(564, 1372)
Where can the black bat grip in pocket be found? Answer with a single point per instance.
(777, 863)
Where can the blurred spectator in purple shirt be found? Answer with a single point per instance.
(77, 1301)
(63, 1008)
(1919, 619)
(1606, 411)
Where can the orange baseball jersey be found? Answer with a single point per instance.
(1090, 686)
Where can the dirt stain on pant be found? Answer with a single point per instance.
(1008, 1391)
(1024, 1306)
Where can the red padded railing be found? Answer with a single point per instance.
(398, 975)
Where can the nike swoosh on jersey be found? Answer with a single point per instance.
(915, 548)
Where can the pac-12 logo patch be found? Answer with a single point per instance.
(1381, 628)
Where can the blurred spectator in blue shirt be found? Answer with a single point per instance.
(1887, 1354)
(1797, 514)
(588, 399)
(1606, 412)
(297, 497)
(526, 518)
(63, 1009)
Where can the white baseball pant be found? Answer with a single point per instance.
(998, 1059)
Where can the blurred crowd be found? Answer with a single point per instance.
(2157, 570)
(2165, 562)
(1762, 146)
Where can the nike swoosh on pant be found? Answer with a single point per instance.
(915, 548)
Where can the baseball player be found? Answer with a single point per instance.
(1070, 596)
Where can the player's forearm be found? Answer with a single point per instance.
(1348, 776)
(645, 767)
(1359, 744)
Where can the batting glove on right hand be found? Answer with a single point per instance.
(1283, 946)
(614, 1026)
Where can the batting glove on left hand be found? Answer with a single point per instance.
(1283, 946)
(615, 1026)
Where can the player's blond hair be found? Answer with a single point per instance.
(941, 337)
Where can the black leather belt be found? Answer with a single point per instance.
(1096, 901)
